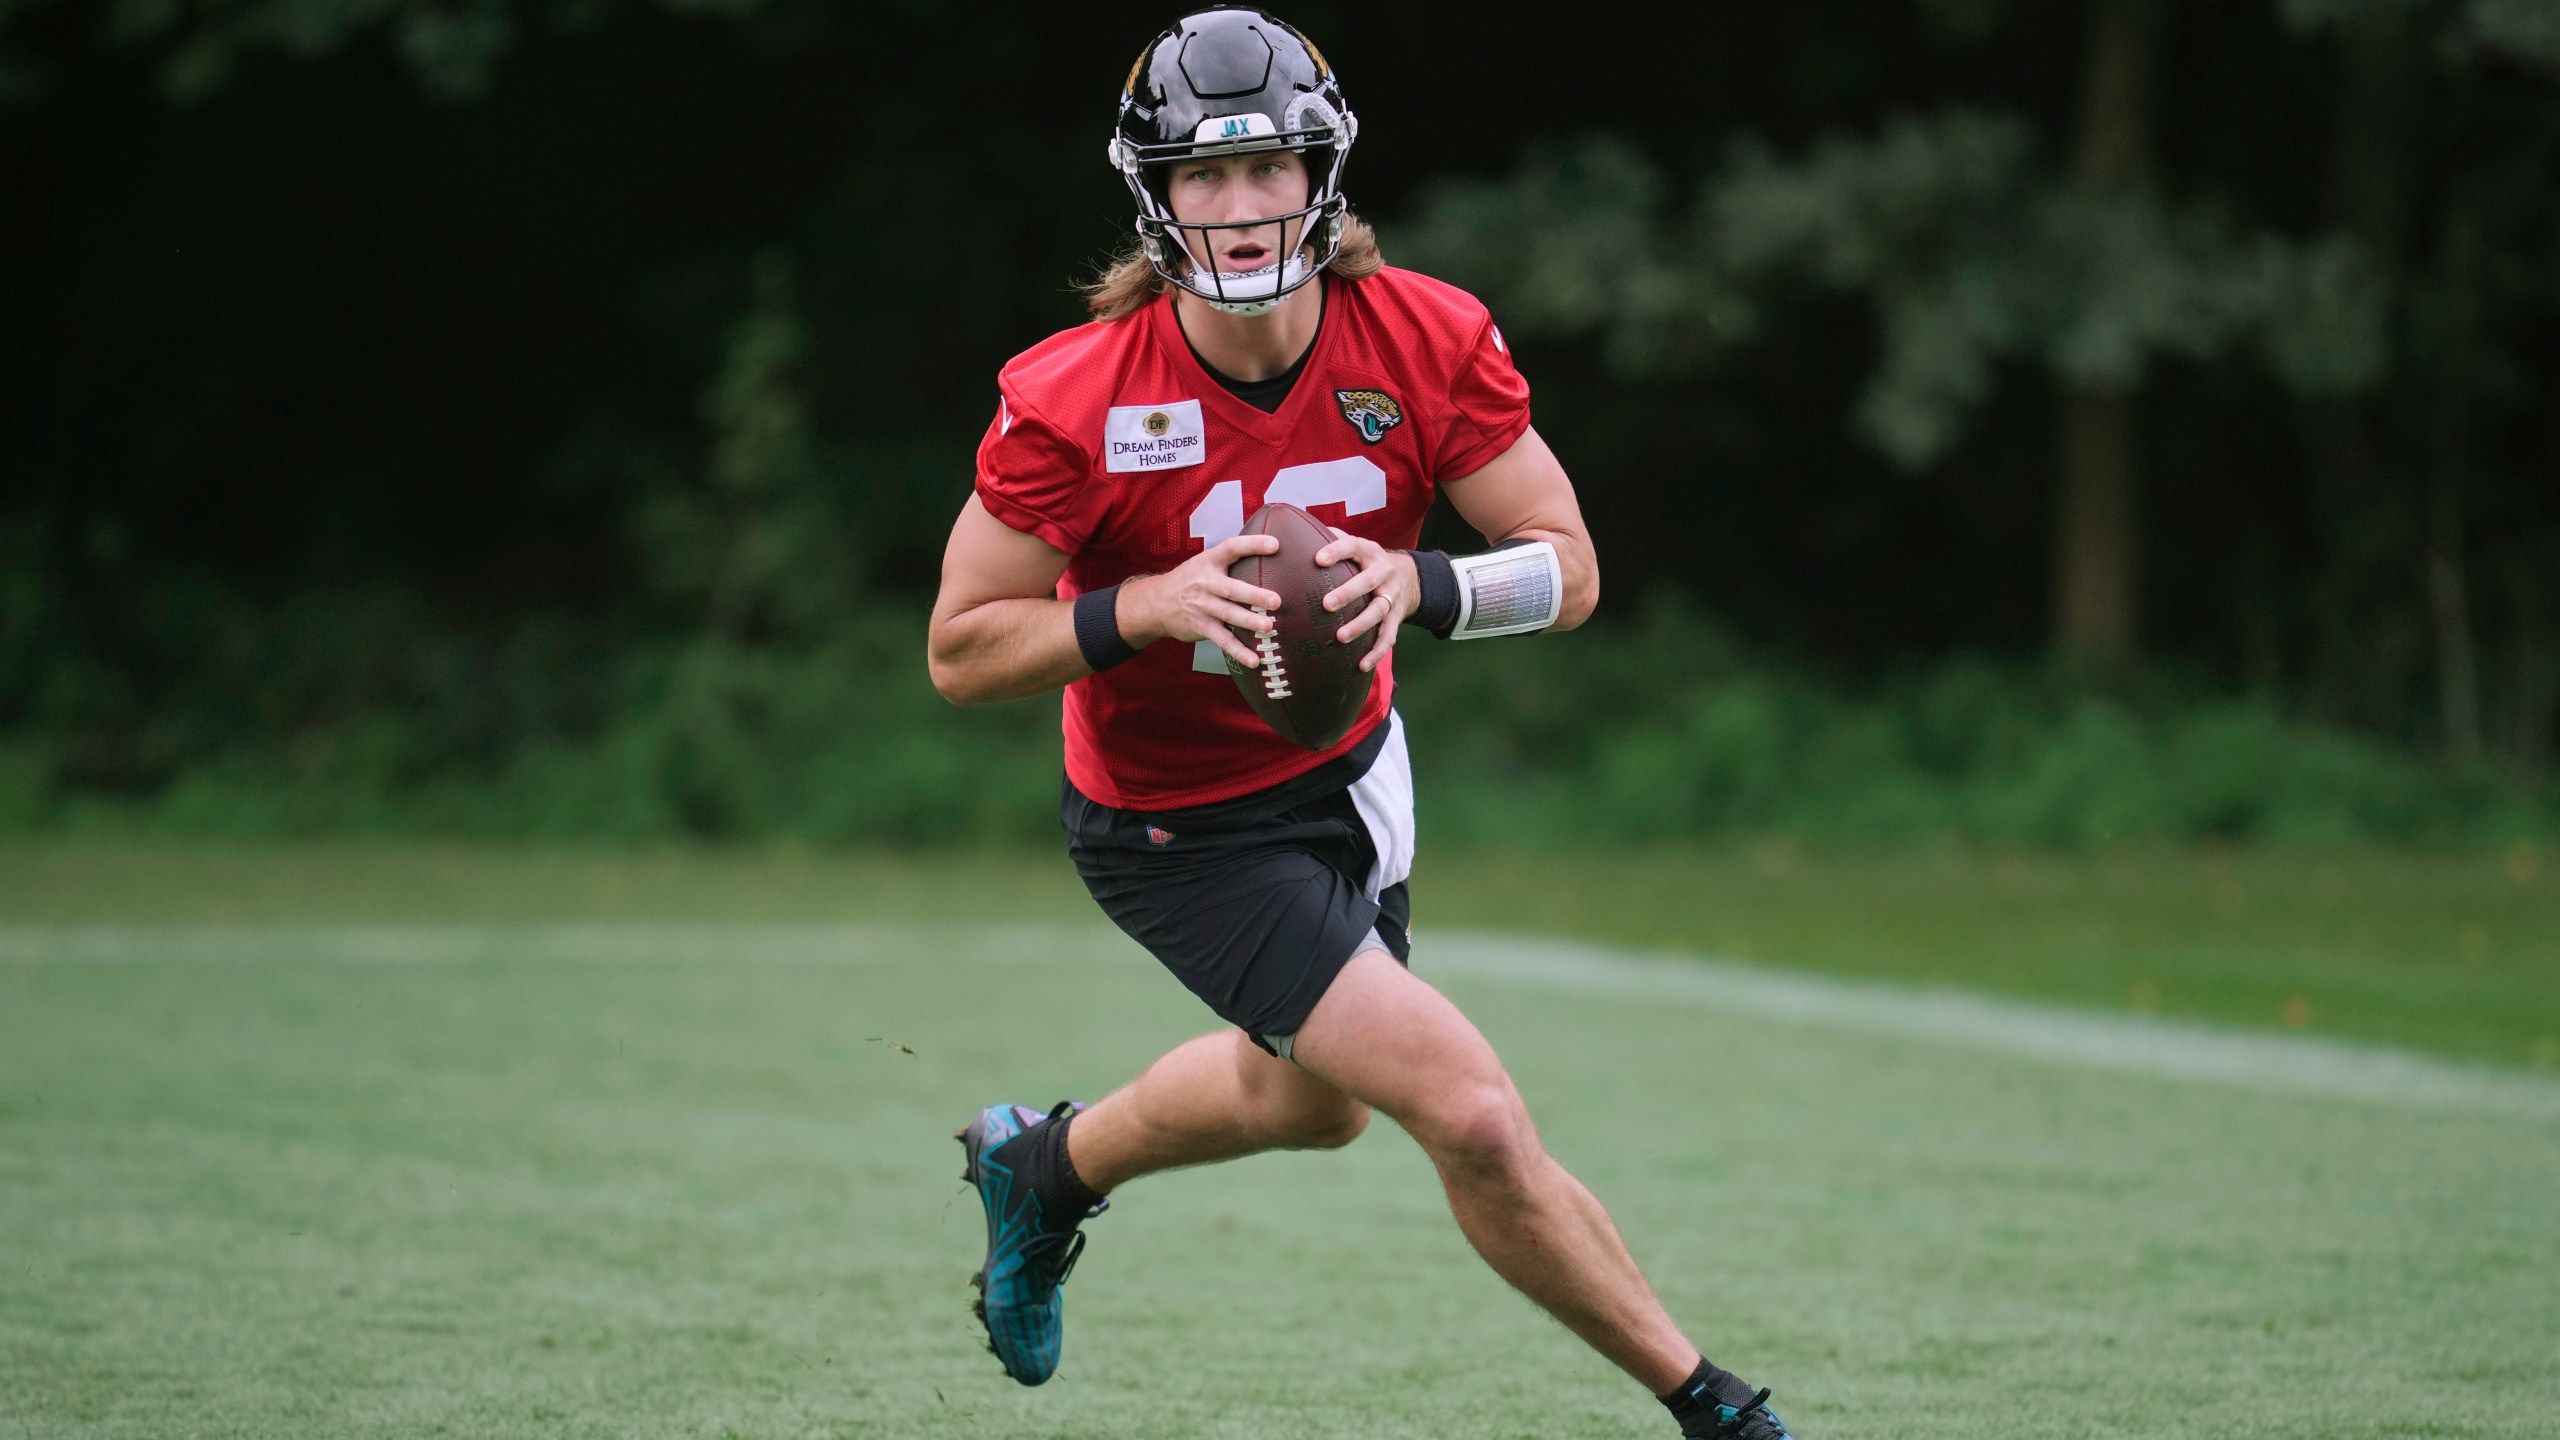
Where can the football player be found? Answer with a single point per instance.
(1251, 348)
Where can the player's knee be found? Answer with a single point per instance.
(1481, 1127)
(1341, 1128)
(1326, 1127)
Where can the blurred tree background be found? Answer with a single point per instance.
(2051, 422)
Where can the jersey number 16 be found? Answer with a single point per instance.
(1353, 482)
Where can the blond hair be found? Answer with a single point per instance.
(1131, 282)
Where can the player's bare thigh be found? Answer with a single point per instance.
(1299, 1107)
(1384, 1035)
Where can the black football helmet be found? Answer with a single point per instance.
(1234, 81)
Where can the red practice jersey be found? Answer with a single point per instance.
(1115, 445)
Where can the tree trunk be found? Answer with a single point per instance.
(2097, 517)
(2115, 92)
(2537, 670)
(2355, 474)
(2097, 536)
(2448, 586)
(2457, 657)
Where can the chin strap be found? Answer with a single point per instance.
(1250, 292)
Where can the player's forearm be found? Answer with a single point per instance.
(1004, 650)
(1140, 612)
(1581, 566)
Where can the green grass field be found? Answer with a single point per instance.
(334, 1142)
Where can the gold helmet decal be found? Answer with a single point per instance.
(1321, 67)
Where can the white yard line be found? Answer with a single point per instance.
(2282, 1064)
(2051, 1034)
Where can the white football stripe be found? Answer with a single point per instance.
(2053, 1034)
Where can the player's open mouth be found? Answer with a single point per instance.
(1247, 257)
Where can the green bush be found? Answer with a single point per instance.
(1666, 727)
(357, 716)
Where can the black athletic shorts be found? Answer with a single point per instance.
(1257, 903)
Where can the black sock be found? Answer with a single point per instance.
(1039, 1156)
(1706, 1388)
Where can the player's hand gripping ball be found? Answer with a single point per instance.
(1309, 686)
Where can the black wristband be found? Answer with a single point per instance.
(1436, 608)
(1098, 629)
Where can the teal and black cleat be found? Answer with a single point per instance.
(1028, 1256)
(1754, 1421)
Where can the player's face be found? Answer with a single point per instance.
(1228, 189)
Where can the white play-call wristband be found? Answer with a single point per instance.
(1510, 591)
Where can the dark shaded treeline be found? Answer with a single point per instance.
(366, 328)
(323, 324)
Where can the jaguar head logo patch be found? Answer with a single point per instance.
(1371, 412)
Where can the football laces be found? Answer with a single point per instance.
(1275, 674)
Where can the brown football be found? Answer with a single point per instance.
(1310, 686)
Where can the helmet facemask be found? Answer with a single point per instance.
(1318, 228)
(1304, 116)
